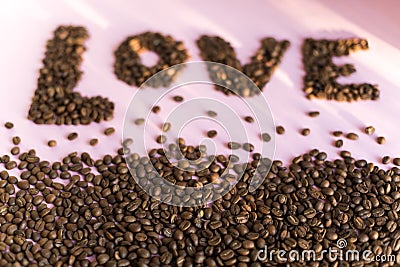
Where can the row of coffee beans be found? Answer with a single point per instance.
(259, 69)
(321, 72)
(91, 212)
(54, 101)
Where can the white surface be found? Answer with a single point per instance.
(26, 26)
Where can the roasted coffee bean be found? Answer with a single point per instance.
(178, 98)
(280, 130)
(212, 133)
(93, 141)
(234, 145)
(212, 114)
(248, 147)
(161, 139)
(249, 119)
(52, 143)
(337, 133)
(305, 131)
(396, 161)
(156, 109)
(381, 140)
(266, 137)
(72, 136)
(352, 136)
(9, 125)
(166, 127)
(369, 130)
(109, 131)
(139, 121)
(339, 143)
(386, 160)
(313, 114)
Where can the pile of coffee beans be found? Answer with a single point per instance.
(128, 65)
(321, 73)
(54, 101)
(259, 70)
(91, 212)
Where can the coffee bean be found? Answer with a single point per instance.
(15, 151)
(16, 140)
(166, 127)
(386, 160)
(9, 125)
(212, 133)
(280, 130)
(352, 136)
(212, 114)
(109, 131)
(266, 137)
(234, 145)
(161, 139)
(93, 141)
(339, 143)
(337, 133)
(156, 109)
(369, 130)
(72, 136)
(139, 121)
(381, 140)
(249, 119)
(178, 98)
(313, 114)
(305, 131)
(396, 161)
(248, 147)
(52, 143)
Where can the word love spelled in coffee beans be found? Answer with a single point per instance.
(54, 101)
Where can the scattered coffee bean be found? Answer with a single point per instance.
(93, 141)
(166, 127)
(339, 143)
(9, 125)
(52, 143)
(352, 136)
(280, 130)
(139, 121)
(234, 145)
(396, 161)
(212, 114)
(386, 160)
(305, 131)
(313, 114)
(156, 109)
(72, 136)
(212, 133)
(381, 140)
(369, 130)
(178, 98)
(248, 147)
(249, 119)
(337, 133)
(266, 137)
(16, 140)
(15, 150)
(161, 139)
(109, 131)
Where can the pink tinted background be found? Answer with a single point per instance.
(26, 26)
